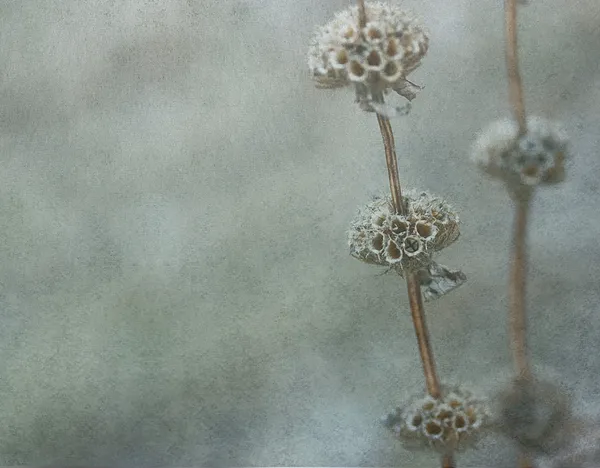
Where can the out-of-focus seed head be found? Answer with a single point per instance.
(406, 243)
(536, 415)
(531, 159)
(452, 422)
(378, 56)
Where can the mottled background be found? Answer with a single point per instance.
(175, 283)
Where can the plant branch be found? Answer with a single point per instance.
(515, 86)
(418, 316)
(392, 162)
(448, 461)
(412, 282)
(413, 285)
(517, 284)
(522, 197)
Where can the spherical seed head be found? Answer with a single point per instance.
(535, 414)
(531, 159)
(403, 242)
(379, 55)
(452, 422)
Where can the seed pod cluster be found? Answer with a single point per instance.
(452, 422)
(403, 242)
(374, 58)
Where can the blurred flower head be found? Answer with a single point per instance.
(537, 157)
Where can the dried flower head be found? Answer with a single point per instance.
(375, 58)
(536, 415)
(531, 159)
(403, 242)
(452, 422)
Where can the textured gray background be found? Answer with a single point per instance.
(175, 282)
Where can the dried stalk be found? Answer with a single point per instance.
(448, 461)
(412, 282)
(517, 286)
(522, 197)
(392, 162)
(515, 87)
(418, 316)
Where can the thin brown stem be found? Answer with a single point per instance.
(517, 285)
(418, 316)
(515, 86)
(412, 282)
(518, 271)
(362, 14)
(448, 461)
(392, 163)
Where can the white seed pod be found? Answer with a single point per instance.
(391, 71)
(455, 401)
(374, 62)
(393, 252)
(379, 220)
(394, 50)
(357, 73)
(349, 35)
(413, 421)
(460, 422)
(427, 405)
(373, 33)
(412, 246)
(445, 414)
(339, 59)
(425, 230)
(474, 417)
(399, 225)
(433, 429)
(378, 242)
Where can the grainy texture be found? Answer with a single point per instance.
(176, 288)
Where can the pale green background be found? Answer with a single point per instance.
(175, 283)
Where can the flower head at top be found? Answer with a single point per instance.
(375, 58)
